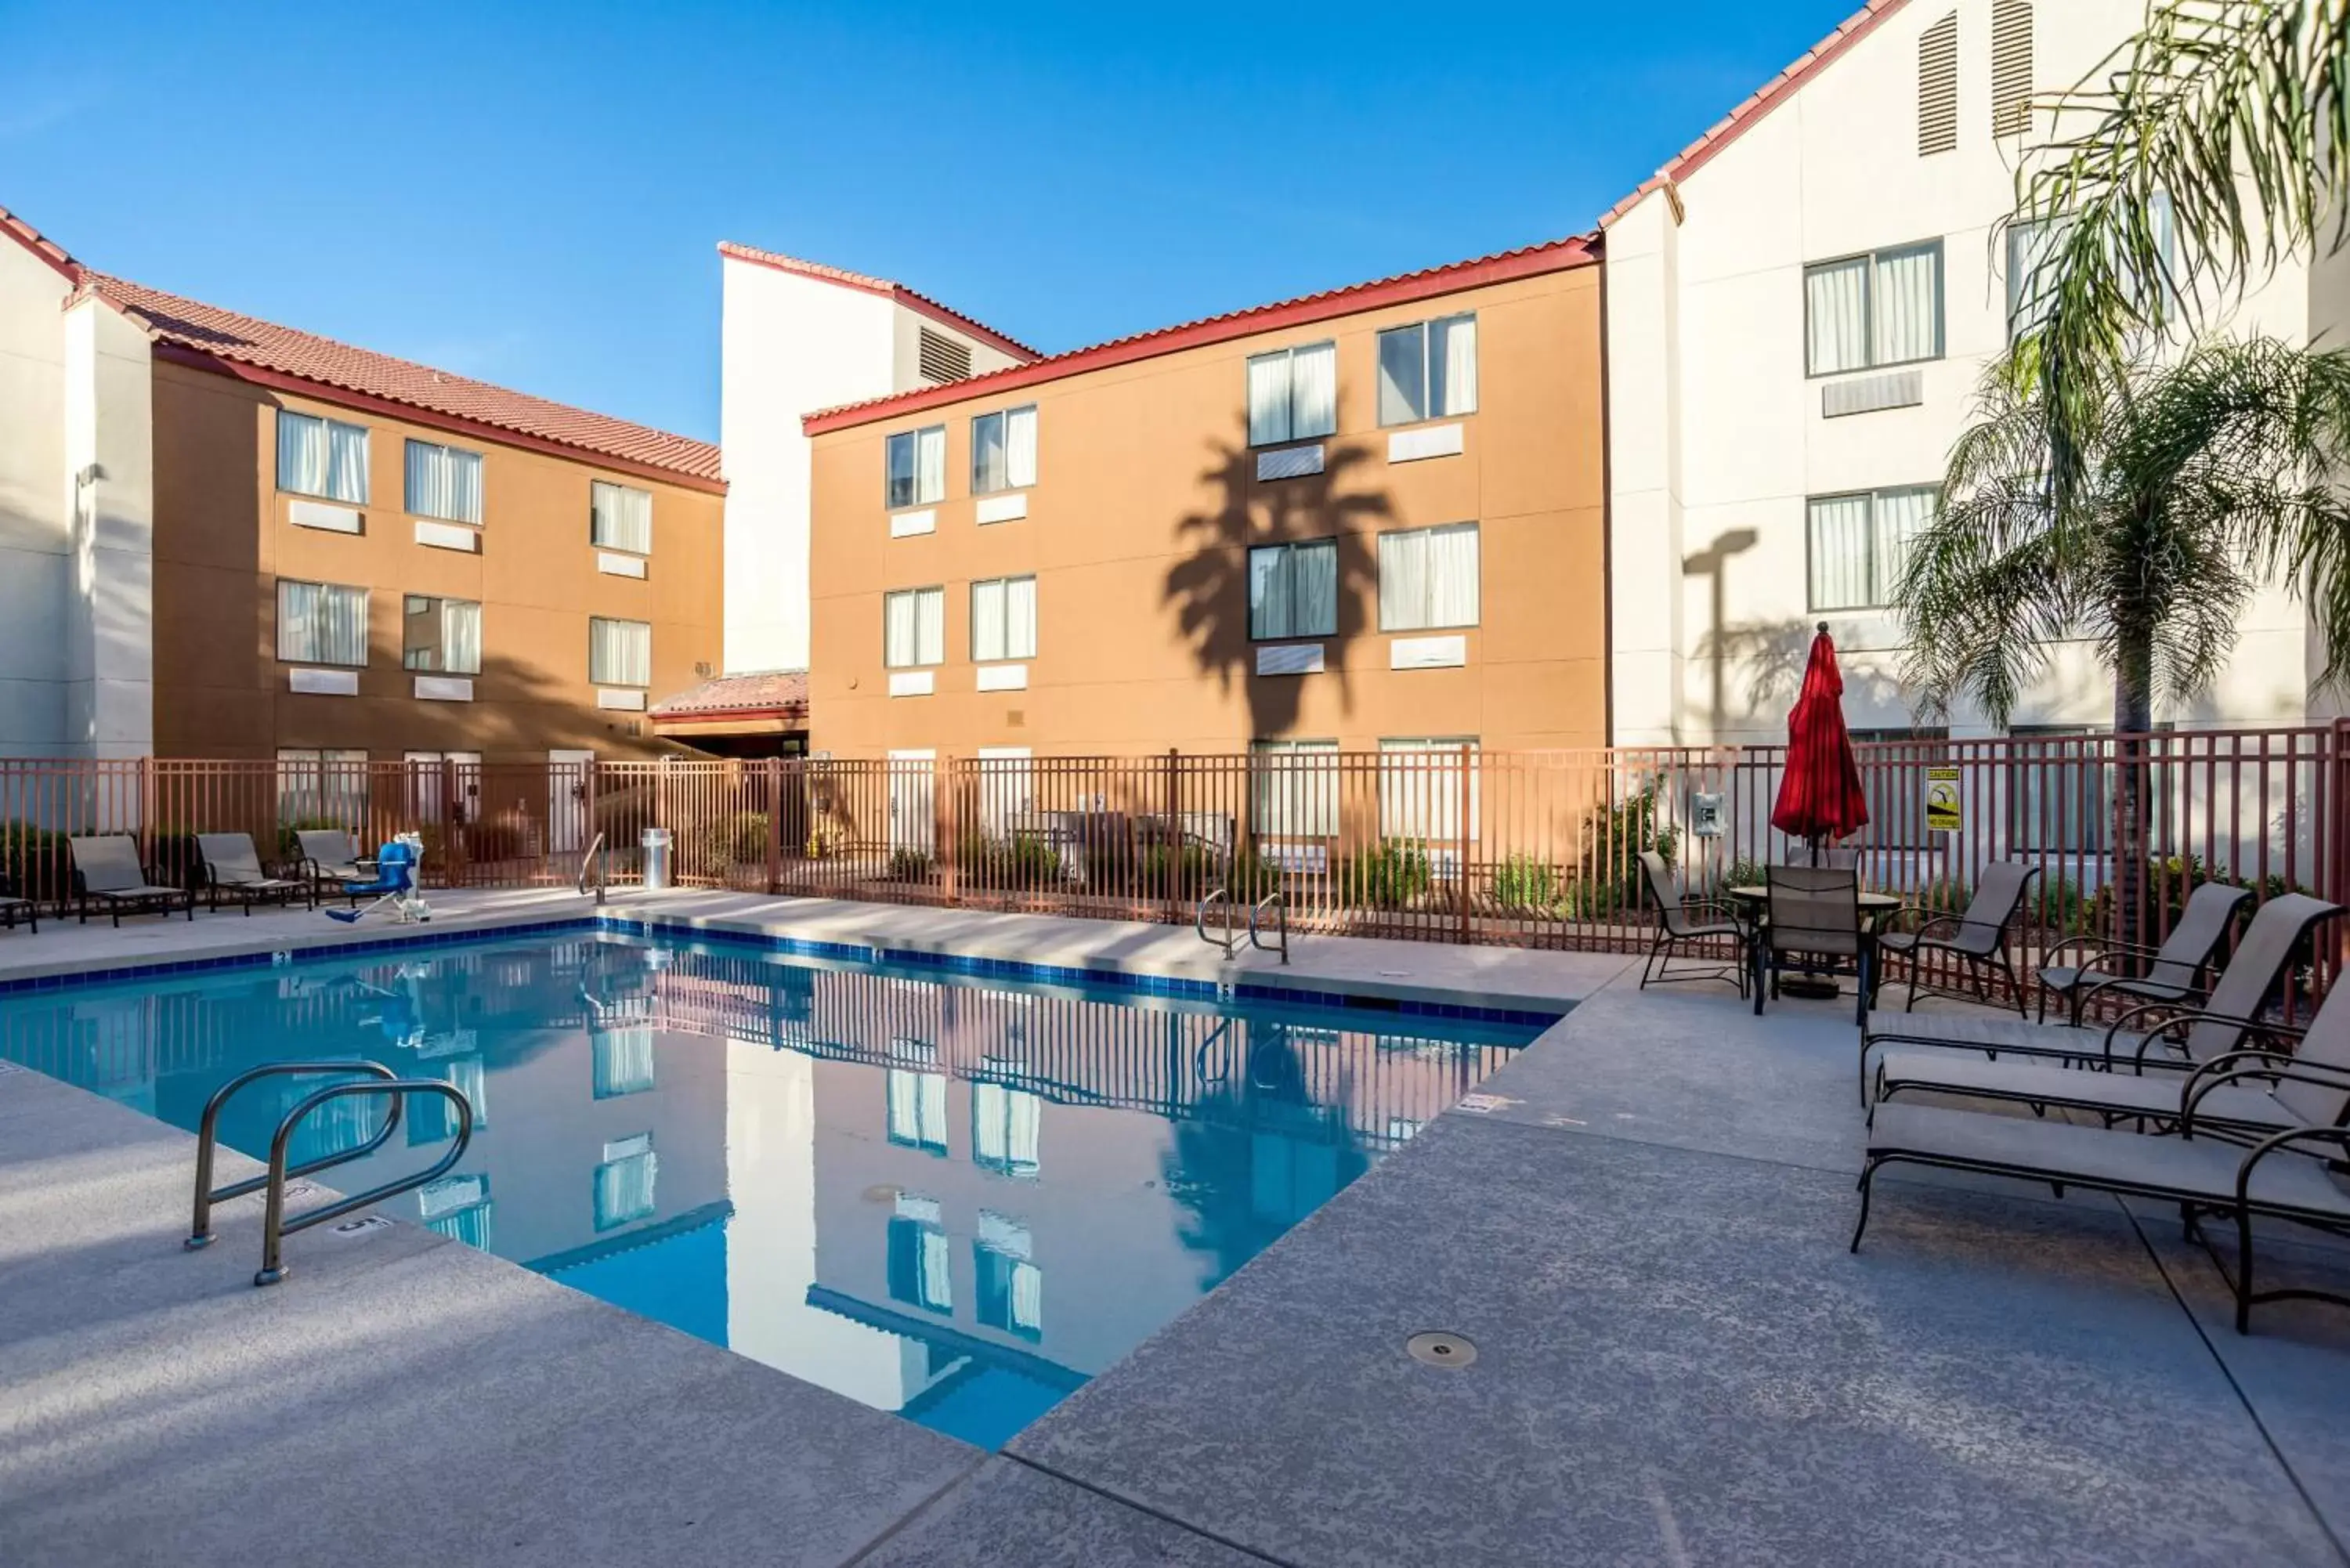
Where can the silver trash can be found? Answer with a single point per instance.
(655, 843)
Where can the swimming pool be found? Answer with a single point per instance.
(954, 1196)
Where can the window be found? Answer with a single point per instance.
(941, 358)
(1005, 1127)
(620, 517)
(2032, 249)
(1427, 371)
(1002, 619)
(1011, 1288)
(442, 636)
(620, 1061)
(1292, 395)
(444, 481)
(2058, 800)
(457, 1206)
(917, 1266)
(1938, 87)
(916, 1106)
(1294, 590)
(322, 457)
(1428, 577)
(1420, 790)
(1860, 544)
(918, 467)
(1003, 451)
(321, 623)
(1893, 765)
(624, 1181)
(318, 787)
(914, 628)
(1295, 788)
(619, 652)
(1868, 311)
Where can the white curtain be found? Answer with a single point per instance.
(931, 625)
(1403, 581)
(347, 462)
(1840, 542)
(1906, 305)
(931, 464)
(987, 620)
(1427, 578)
(1272, 570)
(623, 518)
(625, 1188)
(1835, 300)
(1005, 1126)
(898, 649)
(320, 623)
(460, 636)
(1314, 589)
(1420, 789)
(1900, 515)
(987, 454)
(1403, 375)
(619, 652)
(1313, 390)
(1268, 400)
(1453, 366)
(620, 1061)
(444, 481)
(1020, 447)
(905, 1096)
(1027, 1298)
(1296, 788)
(1020, 619)
(301, 454)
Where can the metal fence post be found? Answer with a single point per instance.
(1174, 860)
(775, 825)
(1461, 798)
(942, 786)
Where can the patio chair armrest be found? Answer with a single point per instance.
(1931, 921)
(1718, 906)
(2339, 1136)
(2106, 982)
(2182, 1016)
(2230, 1066)
(2092, 947)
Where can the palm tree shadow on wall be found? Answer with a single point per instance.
(1207, 586)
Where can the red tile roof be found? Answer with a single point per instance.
(774, 691)
(33, 240)
(264, 352)
(921, 303)
(1553, 255)
(1733, 125)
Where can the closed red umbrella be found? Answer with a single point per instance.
(1820, 797)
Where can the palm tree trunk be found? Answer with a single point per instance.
(2132, 718)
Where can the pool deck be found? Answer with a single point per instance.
(1640, 1224)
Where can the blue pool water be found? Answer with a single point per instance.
(954, 1197)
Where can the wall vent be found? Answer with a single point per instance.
(1868, 394)
(1938, 87)
(1289, 463)
(2010, 67)
(943, 359)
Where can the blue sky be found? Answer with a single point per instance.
(531, 193)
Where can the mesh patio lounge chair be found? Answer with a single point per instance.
(2173, 972)
(2282, 1175)
(2140, 1038)
(1977, 939)
(330, 858)
(1813, 912)
(1678, 928)
(107, 872)
(14, 907)
(233, 868)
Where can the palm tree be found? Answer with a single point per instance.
(2199, 478)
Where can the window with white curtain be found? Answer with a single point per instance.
(625, 1181)
(1003, 451)
(318, 787)
(914, 628)
(1293, 787)
(619, 652)
(1011, 1287)
(2032, 264)
(1003, 619)
(1427, 371)
(1427, 578)
(620, 517)
(918, 1267)
(1868, 311)
(322, 457)
(917, 463)
(1006, 1125)
(444, 481)
(1420, 788)
(1860, 544)
(1294, 590)
(441, 636)
(620, 1061)
(916, 1105)
(321, 623)
(1293, 394)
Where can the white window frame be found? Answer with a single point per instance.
(1291, 428)
(407, 498)
(443, 605)
(1327, 626)
(1014, 478)
(1395, 616)
(598, 512)
(1875, 259)
(1010, 645)
(1426, 331)
(935, 594)
(1880, 582)
(327, 427)
(914, 440)
(595, 678)
(285, 625)
(1293, 799)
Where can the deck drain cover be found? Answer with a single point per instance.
(1441, 1349)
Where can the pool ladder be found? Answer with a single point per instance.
(1230, 941)
(275, 1226)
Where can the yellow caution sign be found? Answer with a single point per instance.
(1942, 813)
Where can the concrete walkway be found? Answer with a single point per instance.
(1641, 1224)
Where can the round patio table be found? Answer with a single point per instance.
(1750, 900)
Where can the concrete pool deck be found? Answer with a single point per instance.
(1640, 1224)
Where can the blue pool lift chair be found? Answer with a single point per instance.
(397, 865)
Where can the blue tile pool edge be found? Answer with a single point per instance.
(854, 952)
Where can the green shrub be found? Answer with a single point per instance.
(1024, 860)
(1178, 870)
(1390, 875)
(736, 840)
(908, 865)
(1522, 882)
(1251, 877)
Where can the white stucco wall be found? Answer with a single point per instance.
(1717, 437)
(109, 663)
(35, 495)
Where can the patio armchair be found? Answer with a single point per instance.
(1937, 1050)
(1678, 925)
(2172, 972)
(13, 906)
(330, 857)
(1813, 912)
(108, 872)
(1977, 939)
(232, 867)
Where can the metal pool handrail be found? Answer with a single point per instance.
(275, 1227)
(1229, 941)
(585, 861)
(200, 1228)
(1281, 916)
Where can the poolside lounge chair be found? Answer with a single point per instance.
(1675, 927)
(107, 872)
(1813, 912)
(2174, 971)
(14, 908)
(232, 867)
(2283, 1175)
(1977, 939)
(330, 858)
(2219, 1025)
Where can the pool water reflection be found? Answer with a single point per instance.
(949, 1197)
